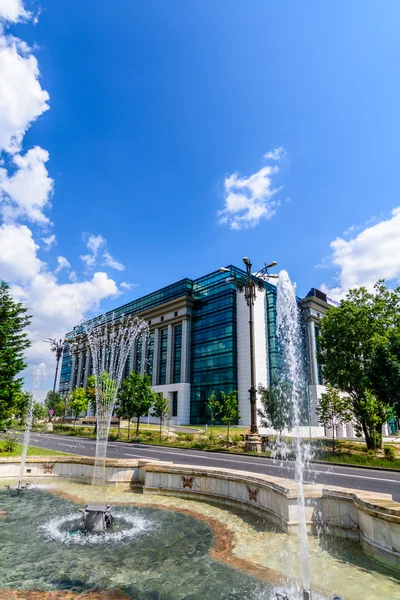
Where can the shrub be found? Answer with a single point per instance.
(10, 442)
(390, 453)
(112, 437)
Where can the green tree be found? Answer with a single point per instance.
(161, 409)
(135, 398)
(213, 408)
(21, 406)
(39, 412)
(385, 374)
(60, 409)
(77, 402)
(229, 410)
(334, 410)
(349, 337)
(13, 343)
(276, 408)
(52, 399)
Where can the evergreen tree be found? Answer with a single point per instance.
(13, 343)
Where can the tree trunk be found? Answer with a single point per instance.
(160, 428)
(137, 427)
(119, 426)
(333, 439)
(75, 421)
(227, 436)
(129, 428)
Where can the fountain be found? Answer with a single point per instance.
(292, 374)
(110, 342)
(39, 374)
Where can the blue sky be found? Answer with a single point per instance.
(154, 106)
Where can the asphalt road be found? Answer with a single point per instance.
(387, 482)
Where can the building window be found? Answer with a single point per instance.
(149, 322)
(174, 412)
(176, 313)
(177, 354)
(162, 373)
(162, 318)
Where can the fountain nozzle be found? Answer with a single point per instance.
(15, 491)
(307, 595)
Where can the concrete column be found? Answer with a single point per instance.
(73, 366)
(156, 357)
(87, 366)
(80, 365)
(186, 345)
(313, 353)
(170, 349)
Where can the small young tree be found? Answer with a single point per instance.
(39, 411)
(334, 410)
(91, 395)
(161, 409)
(78, 402)
(229, 410)
(52, 399)
(135, 398)
(213, 408)
(21, 406)
(276, 408)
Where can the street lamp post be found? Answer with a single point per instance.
(56, 346)
(248, 285)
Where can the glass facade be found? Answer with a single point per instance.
(174, 408)
(162, 369)
(139, 350)
(150, 355)
(177, 354)
(214, 357)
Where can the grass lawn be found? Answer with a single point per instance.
(32, 451)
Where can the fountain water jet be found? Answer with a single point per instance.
(110, 342)
(292, 374)
(39, 374)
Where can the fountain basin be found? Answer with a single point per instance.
(370, 518)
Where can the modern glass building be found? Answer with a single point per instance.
(199, 342)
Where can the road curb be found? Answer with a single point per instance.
(315, 462)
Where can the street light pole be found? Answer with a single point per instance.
(248, 285)
(56, 346)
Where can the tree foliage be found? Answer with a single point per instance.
(161, 409)
(213, 408)
(13, 343)
(21, 405)
(52, 399)
(78, 402)
(135, 398)
(39, 412)
(385, 377)
(229, 410)
(334, 410)
(350, 335)
(275, 400)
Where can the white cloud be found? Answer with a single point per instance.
(373, 254)
(27, 192)
(97, 245)
(72, 276)
(109, 261)
(49, 241)
(18, 260)
(22, 99)
(126, 286)
(62, 264)
(55, 307)
(276, 154)
(13, 11)
(250, 199)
